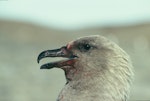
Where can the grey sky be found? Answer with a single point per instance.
(76, 13)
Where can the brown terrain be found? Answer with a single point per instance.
(21, 78)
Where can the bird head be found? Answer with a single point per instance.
(93, 60)
(84, 54)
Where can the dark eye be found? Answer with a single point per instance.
(84, 47)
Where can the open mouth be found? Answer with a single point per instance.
(69, 58)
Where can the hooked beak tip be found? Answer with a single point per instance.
(38, 61)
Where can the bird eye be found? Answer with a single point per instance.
(84, 47)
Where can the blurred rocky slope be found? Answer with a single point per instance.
(21, 42)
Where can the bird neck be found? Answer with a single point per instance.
(95, 86)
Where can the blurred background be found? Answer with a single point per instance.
(28, 27)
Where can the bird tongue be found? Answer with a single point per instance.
(62, 52)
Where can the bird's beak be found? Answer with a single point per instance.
(61, 52)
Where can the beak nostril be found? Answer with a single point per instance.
(46, 53)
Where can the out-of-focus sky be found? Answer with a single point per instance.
(76, 13)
